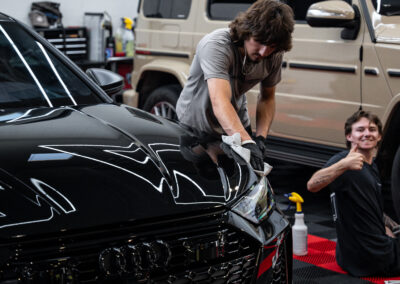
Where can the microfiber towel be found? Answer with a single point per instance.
(235, 145)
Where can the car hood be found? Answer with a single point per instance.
(71, 168)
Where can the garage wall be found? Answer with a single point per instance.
(73, 10)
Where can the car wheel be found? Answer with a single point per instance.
(396, 182)
(162, 101)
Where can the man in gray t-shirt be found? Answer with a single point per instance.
(228, 63)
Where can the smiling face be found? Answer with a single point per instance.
(256, 51)
(365, 134)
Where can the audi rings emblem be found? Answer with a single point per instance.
(112, 261)
(135, 258)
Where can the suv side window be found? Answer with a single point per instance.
(167, 9)
(226, 10)
(300, 7)
(387, 7)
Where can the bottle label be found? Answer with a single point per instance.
(109, 52)
(300, 242)
(129, 48)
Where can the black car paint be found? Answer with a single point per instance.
(69, 170)
(106, 163)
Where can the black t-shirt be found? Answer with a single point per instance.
(363, 248)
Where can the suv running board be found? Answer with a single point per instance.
(304, 153)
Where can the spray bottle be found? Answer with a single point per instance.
(124, 38)
(299, 229)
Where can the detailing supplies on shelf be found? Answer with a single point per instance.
(110, 41)
(124, 38)
(299, 229)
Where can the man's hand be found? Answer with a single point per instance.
(260, 141)
(389, 232)
(256, 157)
(354, 160)
(325, 176)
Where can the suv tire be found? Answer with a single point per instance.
(162, 101)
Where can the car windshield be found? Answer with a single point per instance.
(31, 76)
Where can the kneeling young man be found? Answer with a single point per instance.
(365, 245)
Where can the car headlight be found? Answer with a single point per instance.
(257, 204)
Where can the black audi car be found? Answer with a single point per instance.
(96, 192)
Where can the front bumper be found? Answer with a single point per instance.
(212, 248)
(276, 258)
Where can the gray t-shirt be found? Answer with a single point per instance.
(217, 57)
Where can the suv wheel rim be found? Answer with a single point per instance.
(164, 109)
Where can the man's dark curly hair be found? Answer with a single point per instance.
(355, 117)
(269, 22)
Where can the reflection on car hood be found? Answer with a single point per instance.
(98, 165)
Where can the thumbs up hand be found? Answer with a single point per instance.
(354, 160)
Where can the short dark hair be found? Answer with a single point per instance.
(356, 117)
(269, 22)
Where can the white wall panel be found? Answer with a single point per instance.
(74, 10)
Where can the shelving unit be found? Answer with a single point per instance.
(72, 41)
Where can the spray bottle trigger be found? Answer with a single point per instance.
(295, 197)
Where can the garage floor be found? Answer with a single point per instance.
(286, 178)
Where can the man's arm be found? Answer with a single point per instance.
(265, 110)
(220, 96)
(323, 177)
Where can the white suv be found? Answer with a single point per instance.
(345, 56)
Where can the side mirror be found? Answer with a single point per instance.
(110, 82)
(335, 14)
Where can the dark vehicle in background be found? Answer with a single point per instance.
(96, 192)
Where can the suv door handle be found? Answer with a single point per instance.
(371, 71)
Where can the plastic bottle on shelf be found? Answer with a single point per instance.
(299, 229)
(110, 47)
(110, 41)
(128, 37)
(119, 51)
(124, 38)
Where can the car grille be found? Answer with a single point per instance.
(197, 251)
